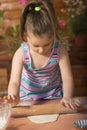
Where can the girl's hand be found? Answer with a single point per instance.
(1, 99)
(13, 100)
(70, 103)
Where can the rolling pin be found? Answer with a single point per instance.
(53, 107)
(21, 111)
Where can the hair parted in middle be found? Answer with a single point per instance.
(39, 17)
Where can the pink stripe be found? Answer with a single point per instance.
(28, 88)
(37, 97)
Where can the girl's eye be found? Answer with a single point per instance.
(46, 45)
(36, 46)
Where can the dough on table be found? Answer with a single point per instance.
(44, 118)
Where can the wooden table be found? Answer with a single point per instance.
(64, 122)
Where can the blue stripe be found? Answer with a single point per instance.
(42, 92)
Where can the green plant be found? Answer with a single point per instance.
(76, 11)
(12, 38)
(79, 24)
(74, 19)
(1, 16)
(10, 35)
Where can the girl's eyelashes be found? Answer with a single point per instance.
(43, 46)
(35, 45)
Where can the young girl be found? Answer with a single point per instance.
(40, 67)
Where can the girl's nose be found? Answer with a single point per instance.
(41, 50)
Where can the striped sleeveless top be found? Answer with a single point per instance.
(43, 83)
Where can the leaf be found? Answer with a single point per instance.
(1, 16)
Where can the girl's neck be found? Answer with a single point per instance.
(38, 61)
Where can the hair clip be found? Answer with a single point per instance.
(37, 8)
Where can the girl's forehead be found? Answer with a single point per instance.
(40, 37)
(40, 40)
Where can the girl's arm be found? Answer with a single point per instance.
(16, 71)
(66, 72)
(67, 78)
(15, 78)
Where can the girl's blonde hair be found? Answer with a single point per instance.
(39, 22)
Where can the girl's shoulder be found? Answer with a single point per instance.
(63, 47)
(18, 51)
(18, 55)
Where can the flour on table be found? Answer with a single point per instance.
(44, 118)
(3, 123)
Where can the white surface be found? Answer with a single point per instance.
(5, 113)
(44, 118)
(3, 123)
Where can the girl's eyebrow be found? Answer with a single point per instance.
(39, 45)
(48, 44)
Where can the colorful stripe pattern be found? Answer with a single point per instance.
(43, 83)
(81, 123)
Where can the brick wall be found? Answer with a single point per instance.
(12, 11)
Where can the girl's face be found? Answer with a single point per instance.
(40, 44)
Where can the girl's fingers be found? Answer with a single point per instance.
(13, 100)
(8, 98)
(70, 104)
(65, 104)
(5, 97)
(77, 102)
(73, 106)
(13, 97)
